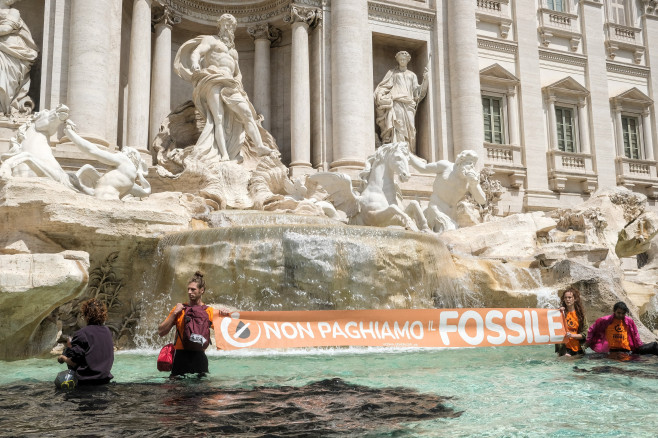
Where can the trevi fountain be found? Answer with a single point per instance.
(259, 142)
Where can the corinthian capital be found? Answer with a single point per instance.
(264, 31)
(302, 14)
(164, 15)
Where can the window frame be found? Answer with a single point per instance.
(639, 128)
(504, 117)
(551, 5)
(573, 109)
(612, 11)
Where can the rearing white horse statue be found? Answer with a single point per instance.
(377, 204)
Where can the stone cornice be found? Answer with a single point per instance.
(409, 17)
(208, 12)
(498, 46)
(629, 70)
(563, 58)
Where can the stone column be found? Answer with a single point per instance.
(300, 89)
(552, 125)
(353, 118)
(466, 100)
(648, 140)
(89, 95)
(584, 127)
(513, 110)
(592, 13)
(163, 20)
(264, 35)
(620, 132)
(139, 76)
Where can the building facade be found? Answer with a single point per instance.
(556, 96)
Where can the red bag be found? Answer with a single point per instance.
(166, 357)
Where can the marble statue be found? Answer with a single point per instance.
(210, 62)
(453, 181)
(31, 156)
(377, 204)
(127, 177)
(396, 100)
(17, 54)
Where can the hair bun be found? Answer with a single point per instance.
(199, 274)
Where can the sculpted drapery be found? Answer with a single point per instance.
(17, 54)
(396, 100)
(210, 63)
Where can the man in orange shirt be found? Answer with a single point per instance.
(191, 360)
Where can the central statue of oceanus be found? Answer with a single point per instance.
(377, 204)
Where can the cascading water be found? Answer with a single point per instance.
(261, 261)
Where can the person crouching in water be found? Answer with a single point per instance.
(617, 333)
(91, 351)
(576, 325)
(189, 358)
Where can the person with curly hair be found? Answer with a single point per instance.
(576, 325)
(91, 351)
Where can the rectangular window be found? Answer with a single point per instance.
(493, 119)
(631, 137)
(556, 5)
(565, 129)
(618, 12)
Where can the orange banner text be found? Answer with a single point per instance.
(389, 328)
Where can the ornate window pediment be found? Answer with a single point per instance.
(632, 98)
(496, 74)
(567, 87)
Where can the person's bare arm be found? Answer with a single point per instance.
(165, 326)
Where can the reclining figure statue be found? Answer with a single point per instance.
(31, 156)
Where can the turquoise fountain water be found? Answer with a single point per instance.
(494, 392)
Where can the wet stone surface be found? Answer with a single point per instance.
(191, 407)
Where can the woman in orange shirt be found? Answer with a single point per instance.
(576, 326)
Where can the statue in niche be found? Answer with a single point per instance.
(210, 62)
(453, 181)
(396, 100)
(17, 54)
(31, 156)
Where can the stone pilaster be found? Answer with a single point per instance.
(163, 20)
(353, 119)
(466, 101)
(650, 25)
(264, 36)
(533, 140)
(139, 76)
(602, 141)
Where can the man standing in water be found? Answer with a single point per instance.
(190, 360)
(210, 62)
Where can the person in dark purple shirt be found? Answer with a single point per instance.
(91, 351)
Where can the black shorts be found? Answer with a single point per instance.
(189, 362)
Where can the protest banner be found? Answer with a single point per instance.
(389, 328)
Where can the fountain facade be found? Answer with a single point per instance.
(223, 196)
